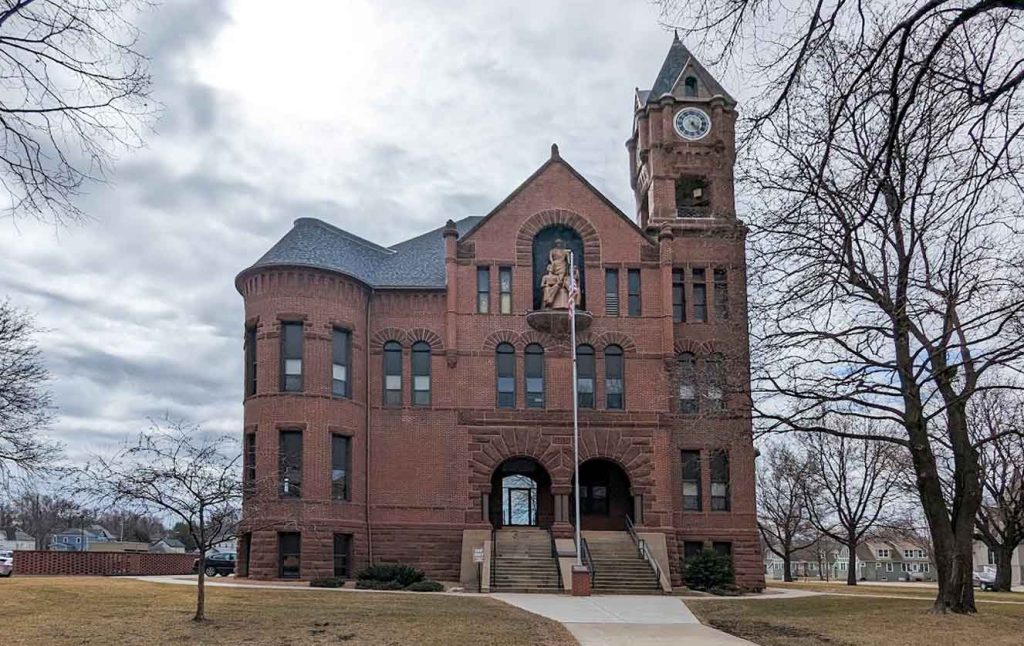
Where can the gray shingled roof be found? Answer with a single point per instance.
(675, 62)
(418, 262)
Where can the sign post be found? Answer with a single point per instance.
(478, 558)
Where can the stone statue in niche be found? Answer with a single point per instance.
(555, 283)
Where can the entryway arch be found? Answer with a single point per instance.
(521, 494)
(606, 500)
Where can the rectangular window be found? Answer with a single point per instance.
(250, 458)
(250, 360)
(721, 295)
(534, 359)
(341, 352)
(692, 549)
(289, 455)
(291, 357)
(720, 481)
(505, 289)
(611, 292)
(614, 378)
(483, 290)
(340, 455)
(678, 296)
(888, 567)
(700, 296)
(343, 555)
(633, 283)
(724, 548)
(289, 555)
(691, 481)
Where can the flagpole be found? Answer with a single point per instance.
(575, 404)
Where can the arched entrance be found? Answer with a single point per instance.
(521, 494)
(605, 499)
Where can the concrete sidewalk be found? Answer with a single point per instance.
(613, 620)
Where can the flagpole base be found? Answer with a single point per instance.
(556, 322)
(580, 581)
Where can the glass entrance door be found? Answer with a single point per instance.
(519, 508)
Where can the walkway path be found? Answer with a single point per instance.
(613, 620)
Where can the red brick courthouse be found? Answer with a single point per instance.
(411, 403)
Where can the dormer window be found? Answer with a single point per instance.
(690, 86)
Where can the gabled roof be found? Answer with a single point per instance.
(556, 158)
(414, 263)
(677, 60)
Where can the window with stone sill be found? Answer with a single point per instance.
(505, 368)
(392, 373)
(421, 373)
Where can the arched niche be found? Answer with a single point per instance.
(543, 242)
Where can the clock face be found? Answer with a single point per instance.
(692, 123)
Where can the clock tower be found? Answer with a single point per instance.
(683, 146)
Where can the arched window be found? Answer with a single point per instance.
(585, 376)
(534, 376)
(714, 391)
(614, 378)
(687, 375)
(392, 373)
(690, 85)
(421, 373)
(505, 363)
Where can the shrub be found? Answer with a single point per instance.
(404, 575)
(708, 570)
(371, 584)
(327, 582)
(425, 586)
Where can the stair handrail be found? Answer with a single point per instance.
(641, 546)
(588, 560)
(494, 551)
(554, 555)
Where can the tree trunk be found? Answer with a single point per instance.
(201, 589)
(851, 565)
(787, 572)
(1004, 568)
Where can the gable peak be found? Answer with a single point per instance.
(683, 76)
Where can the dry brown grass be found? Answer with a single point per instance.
(859, 621)
(93, 610)
(892, 589)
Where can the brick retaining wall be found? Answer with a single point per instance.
(100, 563)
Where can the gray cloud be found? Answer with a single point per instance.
(385, 120)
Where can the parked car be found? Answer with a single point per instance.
(985, 579)
(222, 563)
(6, 564)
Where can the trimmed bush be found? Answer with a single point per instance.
(327, 582)
(371, 584)
(708, 571)
(425, 586)
(404, 575)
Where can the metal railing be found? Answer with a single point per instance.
(588, 560)
(554, 555)
(641, 546)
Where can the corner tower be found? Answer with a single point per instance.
(683, 145)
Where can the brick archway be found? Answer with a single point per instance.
(544, 219)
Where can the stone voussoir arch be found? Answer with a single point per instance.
(507, 443)
(382, 336)
(549, 217)
(613, 446)
(429, 336)
(501, 336)
(612, 337)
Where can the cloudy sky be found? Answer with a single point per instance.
(385, 119)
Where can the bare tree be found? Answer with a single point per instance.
(852, 487)
(883, 163)
(177, 472)
(782, 515)
(43, 515)
(73, 91)
(1000, 522)
(25, 404)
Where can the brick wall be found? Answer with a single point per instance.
(100, 563)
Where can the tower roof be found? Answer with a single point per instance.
(678, 61)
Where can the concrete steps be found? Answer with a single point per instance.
(618, 566)
(523, 561)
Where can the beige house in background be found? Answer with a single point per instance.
(985, 558)
(890, 560)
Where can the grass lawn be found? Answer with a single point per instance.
(895, 588)
(859, 621)
(109, 611)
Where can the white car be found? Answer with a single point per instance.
(985, 579)
(6, 565)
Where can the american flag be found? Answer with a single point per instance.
(573, 289)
